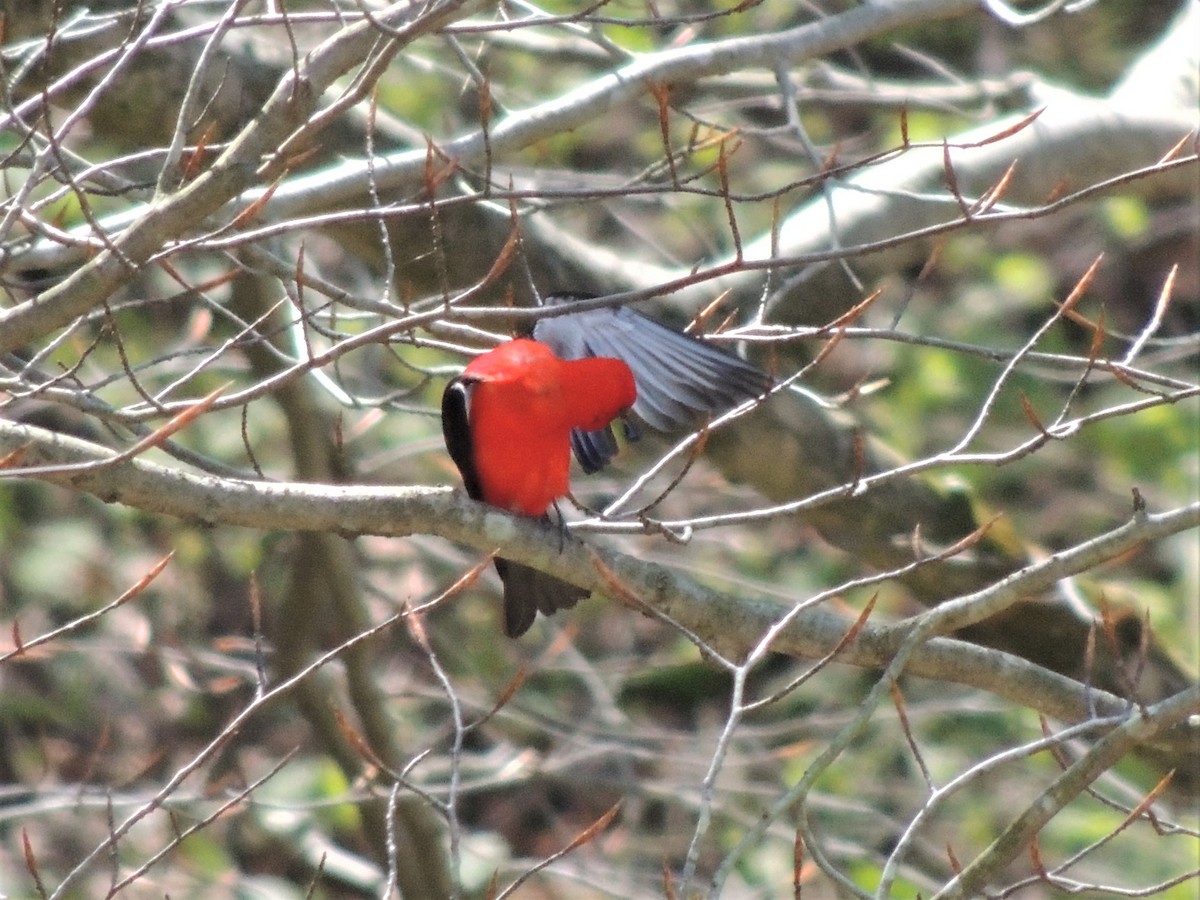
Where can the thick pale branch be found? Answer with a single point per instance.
(730, 624)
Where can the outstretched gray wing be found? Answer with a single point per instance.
(680, 378)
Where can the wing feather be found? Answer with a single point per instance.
(680, 378)
(456, 429)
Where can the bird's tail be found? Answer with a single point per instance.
(528, 592)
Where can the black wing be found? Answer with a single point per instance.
(680, 378)
(456, 431)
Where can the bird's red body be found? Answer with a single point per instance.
(524, 403)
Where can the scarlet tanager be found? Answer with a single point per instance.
(513, 416)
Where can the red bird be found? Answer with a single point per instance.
(512, 417)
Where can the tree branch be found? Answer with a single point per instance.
(285, 117)
(729, 625)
